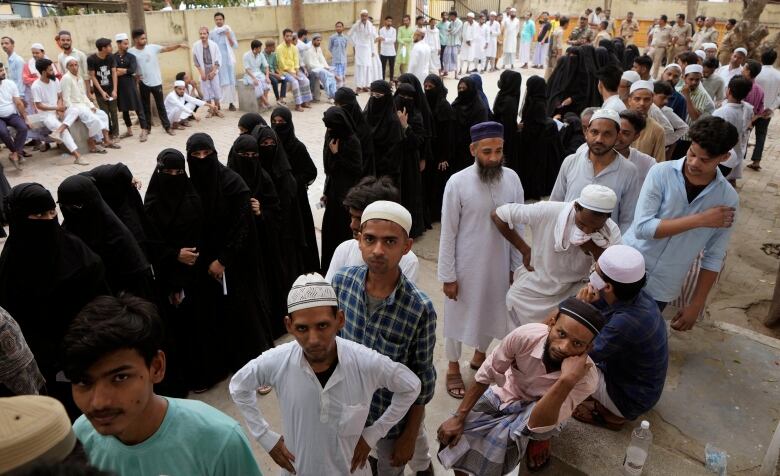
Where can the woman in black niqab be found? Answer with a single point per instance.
(469, 110)
(505, 110)
(46, 276)
(248, 122)
(569, 84)
(346, 99)
(380, 114)
(231, 322)
(87, 216)
(413, 150)
(438, 171)
(539, 147)
(343, 163)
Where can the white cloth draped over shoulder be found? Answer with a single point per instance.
(362, 36)
(197, 51)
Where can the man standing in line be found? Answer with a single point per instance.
(494, 31)
(738, 113)
(697, 101)
(511, 34)
(386, 38)
(651, 140)
(474, 280)
(420, 59)
(290, 67)
(712, 81)
(628, 29)
(632, 124)
(454, 40)
(127, 87)
(681, 38)
(226, 40)
(325, 385)
(363, 34)
(102, 72)
(15, 63)
(769, 80)
(150, 77)
(337, 45)
(733, 67)
(386, 312)
(662, 37)
(609, 82)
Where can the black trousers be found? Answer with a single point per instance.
(385, 60)
(109, 107)
(157, 92)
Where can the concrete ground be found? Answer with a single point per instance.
(722, 385)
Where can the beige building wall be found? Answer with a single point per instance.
(164, 28)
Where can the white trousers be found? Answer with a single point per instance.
(228, 94)
(434, 66)
(180, 113)
(212, 91)
(52, 123)
(260, 89)
(602, 396)
(525, 53)
(453, 348)
(363, 76)
(96, 122)
(540, 54)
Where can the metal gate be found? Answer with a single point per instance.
(433, 8)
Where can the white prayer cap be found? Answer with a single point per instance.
(709, 46)
(310, 290)
(622, 263)
(598, 197)
(741, 50)
(701, 54)
(513, 10)
(492, 14)
(673, 65)
(386, 210)
(610, 114)
(630, 76)
(364, 12)
(694, 68)
(179, 84)
(36, 46)
(470, 14)
(68, 59)
(642, 85)
(120, 37)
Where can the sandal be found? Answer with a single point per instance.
(753, 166)
(474, 365)
(455, 383)
(264, 390)
(592, 412)
(534, 449)
(112, 146)
(98, 150)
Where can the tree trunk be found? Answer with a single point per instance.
(135, 13)
(748, 33)
(691, 10)
(396, 9)
(773, 319)
(297, 15)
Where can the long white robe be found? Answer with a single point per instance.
(420, 60)
(511, 30)
(480, 43)
(432, 40)
(473, 253)
(494, 30)
(362, 36)
(471, 33)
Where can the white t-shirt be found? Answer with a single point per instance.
(148, 65)
(8, 91)
(387, 47)
(614, 103)
(46, 93)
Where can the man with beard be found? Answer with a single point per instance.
(65, 42)
(524, 392)
(113, 359)
(347, 254)
(323, 417)
(180, 106)
(388, 313)
(697, 101)
(128, 98)
(476, 279)
(600, 164)
(420, 58)
(652, 140)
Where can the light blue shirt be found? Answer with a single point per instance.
(337, 45)
(668, 260)
(15, 67)
(257, 64)
(529, 30)
(442, 26)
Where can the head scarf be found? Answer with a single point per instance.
(380, 114)
(401, 102)
(421, 105)
(468, 107)
(250, 120)
(286, 131)
(272, 157)
(534, 102)
(478, 85)
(250, 169)
(631, 53)
(619, 48)
(347, 100)
(508, 97)
(339, 123)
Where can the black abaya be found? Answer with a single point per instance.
(347, 100)
(505, 111)
(469, 110)
(437, 172)
(248, 122)
(412, 156)
(380, 114)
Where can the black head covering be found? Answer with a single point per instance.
(437, 98)
(478, 84)
(380, 114)
(534, 102)
(347, 99)
(204, 172)
(469, 108)
(421, 105)
(508, 97)
(401, 103)
(584, 313)
(619, 48)
(248, 168)
(250, 120)
(338, 122)
(273, 158)
(286, 131)
(631, 53)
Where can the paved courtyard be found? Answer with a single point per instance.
(741, 298)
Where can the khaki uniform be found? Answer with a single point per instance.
(627, 30)
(705, 35)
(727, 47)
(662, 37)
(556, 48)
(582, 36)
(683, 35)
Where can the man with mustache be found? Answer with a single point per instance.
(113, 359)
(475, 264)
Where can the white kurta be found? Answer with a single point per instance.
(480, 44)
(180, 108)
(557, 274)
(432, 40)
(471, 33)
(494, 30)
(739, 115)
(511, 30)
(473, 253)
(362, 35)
(420, 60)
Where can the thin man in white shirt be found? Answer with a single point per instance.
(609, 82)
(387, 38)
(325, 385)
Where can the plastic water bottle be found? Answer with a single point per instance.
(636, 453)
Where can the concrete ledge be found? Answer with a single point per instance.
(247, 102)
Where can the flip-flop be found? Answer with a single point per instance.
(455, 382)
(264, 390)
(533, 448)
(98, 151)
(113, 146)
(593, 413)
(755, 167)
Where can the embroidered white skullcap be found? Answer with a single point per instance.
(709, 46)
(364, 12)
(694, 68)
(610, 114)
(68, 59)
(179, 84)
(741, 50)
(701, 54)
(492, 14)
(37, 46)
(598, 198)
(310, 290)
(470, 14)
(120, 37)
(622, 263)
(642, 85)
(630, 76)
(673, 65)
(386, 210)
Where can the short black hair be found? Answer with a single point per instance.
(101, 43)
(418, 18)
(407, 16)
(713, 134)
(369, 190)
(598, 9)
(9, 39)
(108, 324)
(636, 119)
(180, 76)
(732, 21)
(664, 18)
(688, 57)
(255, 44)
(564, 21)
(42, 64)
(625, 291)
(63, 32)
(701, 17)
(609, 76)
(137, 32)
(681, 15)
(768, 57)
(604, 23)
(219, 14)
(644, 60)
(662, 87)
(740, 87)
(340, 23)
(753, 67)
(285, 31)
(388, 17)
(711, 63)
(302, 32)
(453, 13)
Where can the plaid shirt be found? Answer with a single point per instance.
(632, 352)
(403, 328)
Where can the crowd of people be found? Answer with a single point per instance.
(623, 168)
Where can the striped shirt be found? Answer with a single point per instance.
(703, 103)
(403, 328)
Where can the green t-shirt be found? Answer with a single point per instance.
(194, 439)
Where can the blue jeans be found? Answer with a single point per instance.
(275, 85)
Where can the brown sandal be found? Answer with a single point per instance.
(455, 383)
(753, 166)
(594, 413)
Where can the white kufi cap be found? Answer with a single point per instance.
(68, 59)
(622, 263)
(694, 68)
(179, 84)
(364, 12)
(741, 50)
(709, 46)
(598, 197)
(673, 65)
(701, 54)
(642, 85)
(310, 290)
(37, 46)
(630, 76)
(470, 14)
(610, 114)
(492, 14)
(386, 210)
(120, 37)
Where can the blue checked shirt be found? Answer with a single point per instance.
(337, 45)
(632, 352)
(403, 328)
